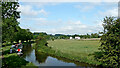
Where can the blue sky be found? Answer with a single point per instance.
(65, 17)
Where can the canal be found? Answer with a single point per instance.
(42, 59)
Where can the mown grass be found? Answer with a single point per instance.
(76, 50)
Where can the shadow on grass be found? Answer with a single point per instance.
(97, 56)
(13, 62)
(4, 45)
(6, 52)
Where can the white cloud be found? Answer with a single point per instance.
(27, 10)
(84, 8)
(110, 12)
(42, 11)
(72, 27)
(87, 6)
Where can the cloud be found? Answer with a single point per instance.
(58, 26)
(27, 10)
(110, 12)
(84, 8)
(69, 27)
(42, 11)
(33, 21)
(88, 6)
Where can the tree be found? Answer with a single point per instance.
(23, 35)
(9, 20)
(88, 36)
(94, 35)
(40, 41)
(11, 30)
(110, 42)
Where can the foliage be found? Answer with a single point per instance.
(110, 42)
(95, 35)
(11, 30)
(13, 61)
(23, 35)
(41, 40)
(9, 18)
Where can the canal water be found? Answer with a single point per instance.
(42, 59)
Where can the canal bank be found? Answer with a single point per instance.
(12, 60)
(40, 58)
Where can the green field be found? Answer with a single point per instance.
(75, 47)
(77, 50)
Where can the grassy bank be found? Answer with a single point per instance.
(76, 50)
(13, 60)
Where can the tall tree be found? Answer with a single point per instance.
(9, 18)
(110, 42)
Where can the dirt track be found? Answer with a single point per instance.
(91, 39)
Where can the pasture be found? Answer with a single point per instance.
(78, 50)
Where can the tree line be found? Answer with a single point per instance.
(62, 36)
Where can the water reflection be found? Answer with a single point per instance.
(42, 59)
(27, 49)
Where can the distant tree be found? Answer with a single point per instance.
(88, 36)
(110, 42)
(81, 36)
(95, 35)
(75, 36)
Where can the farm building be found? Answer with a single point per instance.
(71, 38)
(77, 37)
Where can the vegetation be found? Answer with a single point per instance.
(11, 30)
(80, 51)
(77, 50)
(110, 42)
(41, 40)
(13, 60)
(62, 36)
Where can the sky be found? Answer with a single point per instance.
(65, 17)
